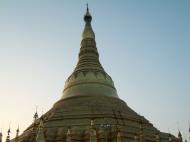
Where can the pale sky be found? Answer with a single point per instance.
(144, 45)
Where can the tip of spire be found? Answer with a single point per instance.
(179, 134)
(9, 131)
(87, 16)
(87, 7)
(17, 130)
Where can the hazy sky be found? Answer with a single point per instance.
(143, 44)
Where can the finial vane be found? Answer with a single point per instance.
(17, 131)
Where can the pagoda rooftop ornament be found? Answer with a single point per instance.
(8, 135)
(88, 32)
(1, 136)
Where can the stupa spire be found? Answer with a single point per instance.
(36, 115)
(17, 134)
(189, 131)
(87, 7)
(180, 137)
(1, 136)
(8, 135)
(88, 31)
(88, 55)
(89, 77)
